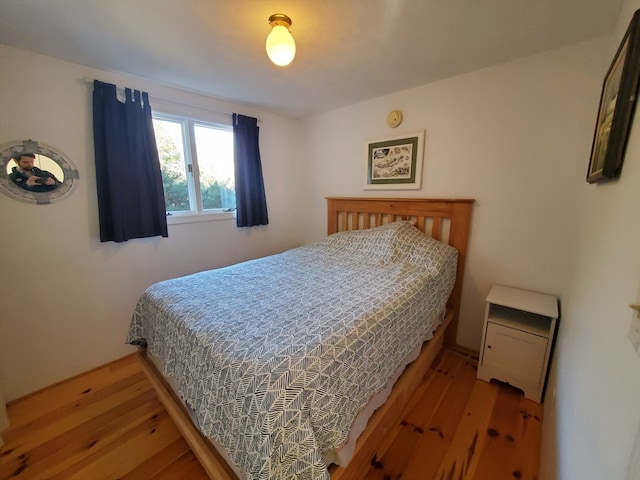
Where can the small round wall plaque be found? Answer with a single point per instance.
(394, 118)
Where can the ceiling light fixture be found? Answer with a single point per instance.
(281, 47)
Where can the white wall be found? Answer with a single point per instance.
(67, 298)
(589, 431)
(517, 138)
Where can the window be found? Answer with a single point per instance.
(196, 160)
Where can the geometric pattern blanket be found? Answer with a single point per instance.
(276, 356)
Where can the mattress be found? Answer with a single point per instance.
(276, 357)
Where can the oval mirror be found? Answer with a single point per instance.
(34, 172)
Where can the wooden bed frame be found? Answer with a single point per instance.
(447, 220)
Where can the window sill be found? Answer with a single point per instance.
(179, 219)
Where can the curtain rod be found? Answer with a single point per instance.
(151, 97)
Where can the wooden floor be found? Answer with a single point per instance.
(108, 424)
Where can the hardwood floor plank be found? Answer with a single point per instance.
(156, 464)
(44, 428)
(511, 429)
(133, 447)
(76, 388)
(394, 454)
(186, 467)
(462, 458)
(74, 445)
(529, 439)
(96, 427)
(438, 433)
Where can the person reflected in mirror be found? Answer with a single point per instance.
(26, 175)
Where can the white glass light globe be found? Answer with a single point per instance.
(281, 47)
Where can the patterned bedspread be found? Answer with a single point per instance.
(276, 356)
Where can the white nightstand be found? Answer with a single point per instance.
(517, 337)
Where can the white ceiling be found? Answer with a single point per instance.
(348, 50)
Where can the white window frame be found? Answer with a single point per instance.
(192, 171)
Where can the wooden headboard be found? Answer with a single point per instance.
(445, 219)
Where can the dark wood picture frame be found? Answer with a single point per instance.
(617, 104)
(403, 154)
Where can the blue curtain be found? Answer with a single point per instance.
(251, 201)
(128, 177)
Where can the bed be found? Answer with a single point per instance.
(282, 361)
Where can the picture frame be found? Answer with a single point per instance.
(395, 162)
(617, 105)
